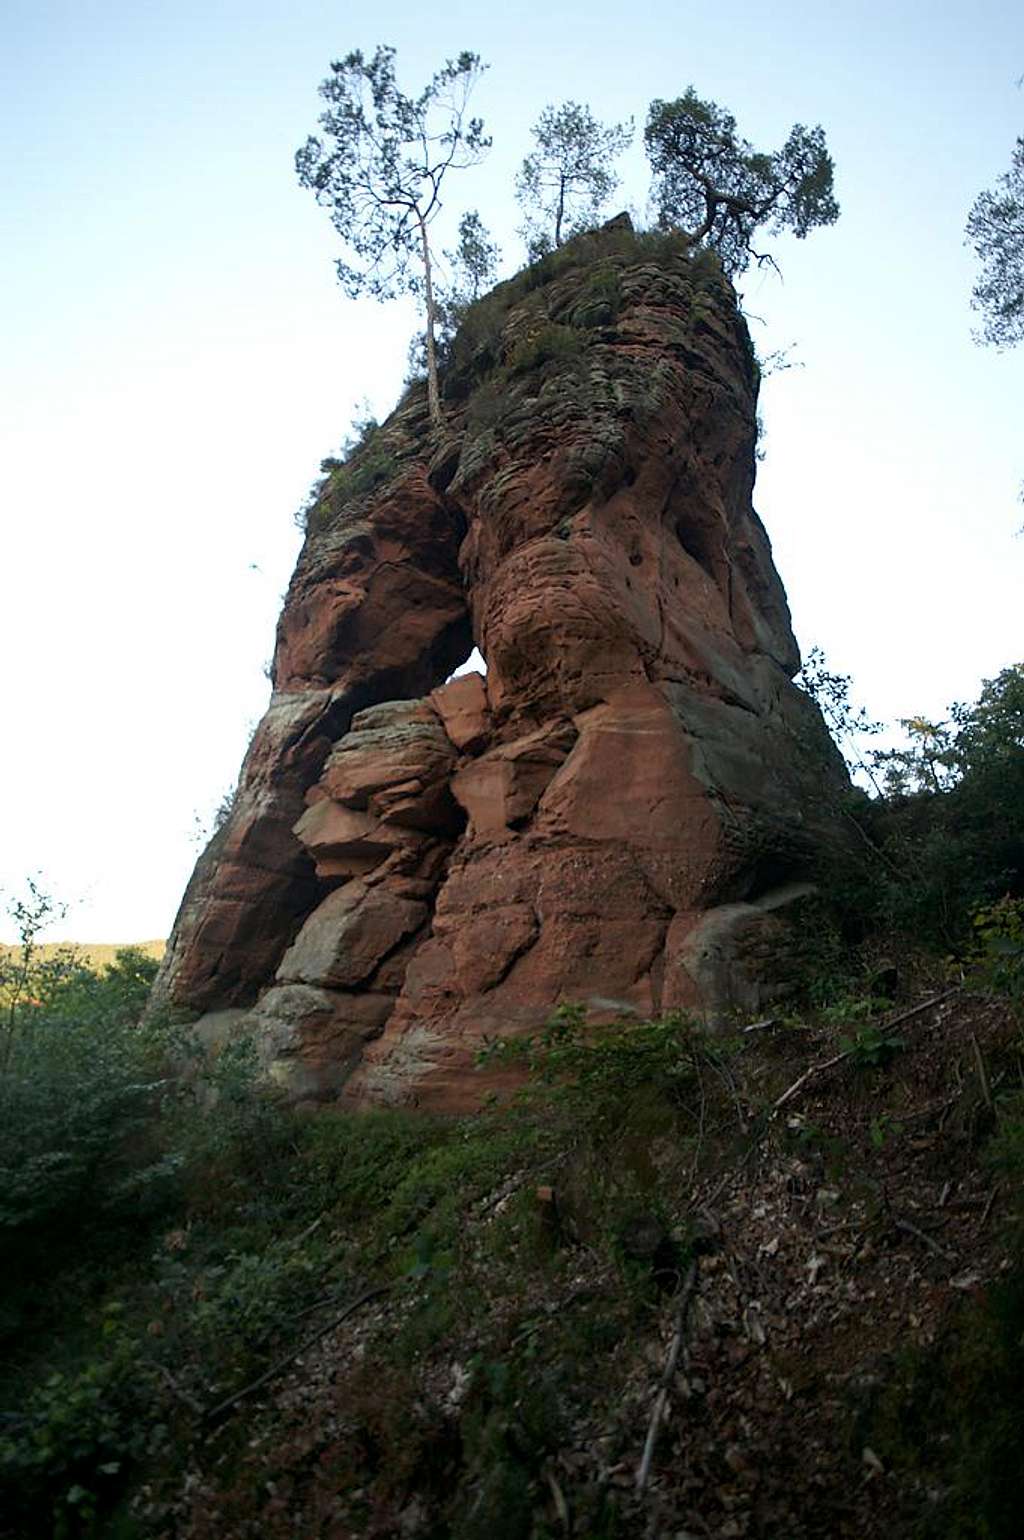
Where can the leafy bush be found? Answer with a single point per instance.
(545, 342)
(103, 1137)
(999, 958)
(871, 1048)
(942, 833)
(594, 1062)
(367, 460)
(79, 1081)
(600, 299)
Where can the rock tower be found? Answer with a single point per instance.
(625, 808)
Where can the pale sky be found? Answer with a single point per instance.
(177, 358)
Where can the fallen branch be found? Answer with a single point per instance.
(304, 1235)
(275, 1369)
(925, 1005)
(661, 1400)
(925, 1239)
(817, 1069)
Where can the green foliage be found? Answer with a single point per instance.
(66, 1451)
(381, 160)
(600, 298)
(715, 186)
(400, 1172)
(872, 1047)
(995, 228)
(366, 461)
(493, 326)
(568, 178)
(544, 343)
(999, 955)
(847, 722)
(79, 1078)
(592, 1063)
(943, 833)
(472, 265)
(379, 167)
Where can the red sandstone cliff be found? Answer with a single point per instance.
(620, 810)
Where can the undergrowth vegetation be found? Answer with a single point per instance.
(159, 1258)
(164, 1265)
(935, 855)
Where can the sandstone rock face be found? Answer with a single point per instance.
(621, 811)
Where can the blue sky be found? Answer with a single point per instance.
(177, 357)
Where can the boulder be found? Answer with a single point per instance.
(349, 934)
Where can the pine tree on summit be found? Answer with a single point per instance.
(717, 188)
(379, 165)
(563, 185)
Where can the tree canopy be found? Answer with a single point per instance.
(720, 190)
(378, 166)
(995, 228)
(568, 178)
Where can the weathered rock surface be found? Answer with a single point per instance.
(623, 809)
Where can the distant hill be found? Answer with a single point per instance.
(96, 953)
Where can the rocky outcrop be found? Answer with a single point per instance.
(623, 809)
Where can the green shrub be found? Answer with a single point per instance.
(999, 954)
(543, 343)
(367, 461)
(600, 299)
(591, 1063)
(80, 1081)
(872, 1047)
(942, 836)
(67, 1450)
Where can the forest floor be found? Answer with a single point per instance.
(767, 1313)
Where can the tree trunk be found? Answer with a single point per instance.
(560, 213)
(433, 392)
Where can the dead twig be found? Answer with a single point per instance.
(988, 1207)
(986, 1089)
(815, 1069)
(222, 1407)
(561, 1506)
(924, 1238)
(304, 1235)
(925, 1005)
(686, 1294)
